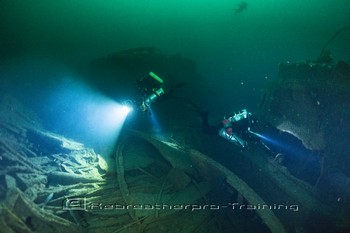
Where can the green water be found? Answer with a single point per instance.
(207, 31)
(43, 42)
(235, 52)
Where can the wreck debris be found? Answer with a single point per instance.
(24, 213)
(153, 183)
(209, 167)
(31, 172)
(235, 182)
(50, 183)
(121, 179)
(302, 101)
(310, 100)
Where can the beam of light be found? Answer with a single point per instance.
(127, 107)
(125, 110)
(82, 113)
(265, 138)
(107, 118)
(269, 141)
(256, 134)
(155, 123)
(284, 142)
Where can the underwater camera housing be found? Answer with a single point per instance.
(150, 90)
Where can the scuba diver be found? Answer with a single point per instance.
(150, 89)
(242, 6)
(243, 129)
(235, 128)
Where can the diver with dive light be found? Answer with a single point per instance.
(235, 128)
(243, 129)
(150, 89)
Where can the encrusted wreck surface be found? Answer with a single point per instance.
(52, 184)
(311, 100)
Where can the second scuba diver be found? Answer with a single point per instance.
(235, 128)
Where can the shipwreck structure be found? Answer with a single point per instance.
(53, 184)
(311, 100)
(121, 69)
(151, 183)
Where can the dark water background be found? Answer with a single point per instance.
(46, 45)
